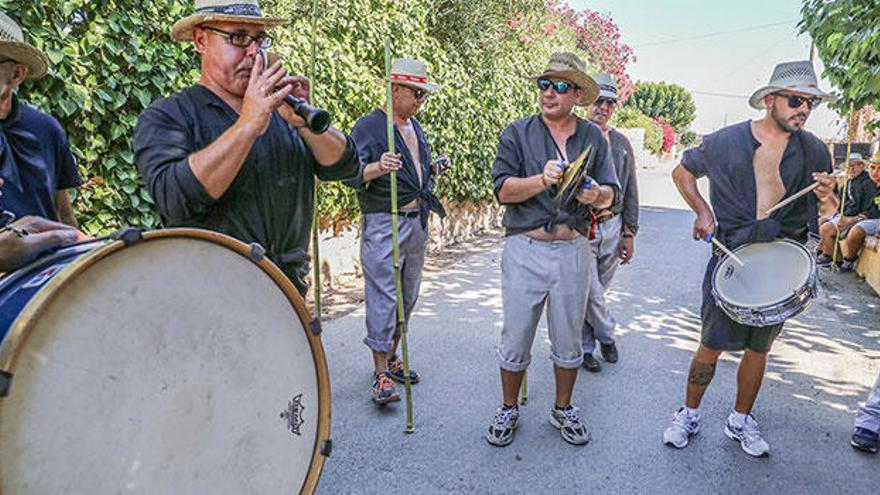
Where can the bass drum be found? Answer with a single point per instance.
(178, 362)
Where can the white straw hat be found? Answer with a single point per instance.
(796, 76)
(411, 72)
(247, 11)
(13, 47)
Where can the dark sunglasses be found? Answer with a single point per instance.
(611, 102)
(240, 39)
(795, 101)
(419, 94)
(560, 87)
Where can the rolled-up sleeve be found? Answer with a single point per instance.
(631, 194)
(695, 160)
(162, 146)
(347, 167)
(508, 162)
(366, 145)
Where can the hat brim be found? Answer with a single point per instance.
(23, 53)
(182, 29)
(429, 87)
(580, 79)
(756, 101)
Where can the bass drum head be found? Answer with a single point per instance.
(772, 274)
(175, 365)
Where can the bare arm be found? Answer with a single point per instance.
(64, 210)
(686, 183)
(519, 189)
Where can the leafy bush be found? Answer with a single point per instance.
(665, 100)
(689, 139)
(110, 59)
(629, 117)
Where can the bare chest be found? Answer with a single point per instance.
(768, 179)
(412, 144)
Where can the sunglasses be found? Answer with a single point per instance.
(611, 102)
(419, 94)
(240, 39)
(560, 87)
(795, 101)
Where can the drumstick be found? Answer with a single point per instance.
(711, 239)
(795, 196)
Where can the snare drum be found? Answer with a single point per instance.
(778, 282)
(177, 363)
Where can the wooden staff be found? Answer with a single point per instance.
(401, 316)
(524, 389)
(849, 134)
(316, 252)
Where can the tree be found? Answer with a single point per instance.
(848, 41)
(666, 101)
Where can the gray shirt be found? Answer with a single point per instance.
(523, 149)
(625, 165)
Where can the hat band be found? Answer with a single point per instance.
(605, 87)
(409, 78)
(240, 9)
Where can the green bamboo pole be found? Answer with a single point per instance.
(849, 133)
(401, 318)
(316, 250)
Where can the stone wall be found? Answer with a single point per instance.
(340, 254)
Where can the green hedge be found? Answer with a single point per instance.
(112, 58)
(629, 117)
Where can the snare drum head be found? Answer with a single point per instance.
(772, 273)
(176, 365)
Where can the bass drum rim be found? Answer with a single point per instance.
(18, 333)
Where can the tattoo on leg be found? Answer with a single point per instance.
(701, 374)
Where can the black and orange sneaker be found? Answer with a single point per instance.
(384, 390)
(395, 367)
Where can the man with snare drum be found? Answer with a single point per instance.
(227, 154)
(751, 166)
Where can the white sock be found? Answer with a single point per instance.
(739, 417)
(692, 413)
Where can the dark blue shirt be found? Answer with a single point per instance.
(523, 149)
(726, 158)
(371, 135)
(35, 162)
(269, 202)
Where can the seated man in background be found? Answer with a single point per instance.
(858, 205)
(868, 223)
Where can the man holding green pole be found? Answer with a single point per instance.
(415, 201)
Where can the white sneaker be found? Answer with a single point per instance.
(748, 435)
(683, 427)
(569, 424)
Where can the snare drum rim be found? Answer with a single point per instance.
(16, 335)
(793, 305)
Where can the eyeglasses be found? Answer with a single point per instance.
(795, 101)
(241, 39)
(611, 102)
(560, 87)
(418, 93)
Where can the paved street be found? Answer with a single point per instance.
(819, 370)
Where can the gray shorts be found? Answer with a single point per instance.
(535, 273)
(870, 226)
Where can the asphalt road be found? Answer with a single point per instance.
(819, 371)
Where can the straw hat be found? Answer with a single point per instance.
(566, 65)
(411, 72)
(247, 11)
(13, 47)
(796, 76)
(607, 85)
